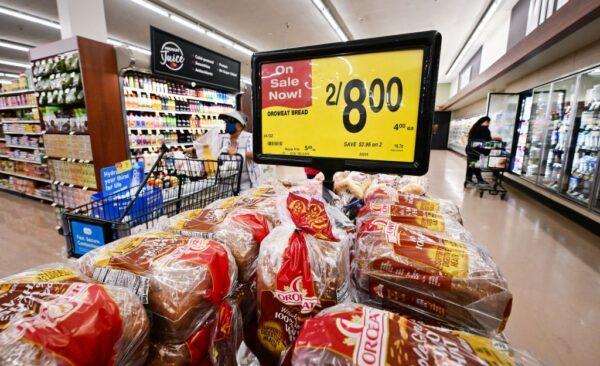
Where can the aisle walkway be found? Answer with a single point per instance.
(552, 266)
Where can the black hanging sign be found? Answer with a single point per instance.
(176, 57)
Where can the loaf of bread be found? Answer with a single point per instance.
(404, 184)
(178, 277)
(429, 277)
(384, 194)
(240, 229)
(350, 334)
(426, 221)
(71, 323)
(51, 272)
(303, 267)
(194, 351)
(349, 185)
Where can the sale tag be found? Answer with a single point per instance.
(362, 106)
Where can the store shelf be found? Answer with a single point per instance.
(47, 199)
(71, 160)
(158, 146)
(4, 156)
(21, 91)
(17, 107)
(32, 121)
(175, 96)
(72, 185)
(150, 110)
(24, 147)
(27, 161)
(23, 133)
(170, 129)
(25, 176)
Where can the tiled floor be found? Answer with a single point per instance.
(552, 265)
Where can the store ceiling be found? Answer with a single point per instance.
(259, 24)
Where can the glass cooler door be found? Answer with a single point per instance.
(536, 133)
(558, 131)
(502, 109)
(522, 131)
(583, 167)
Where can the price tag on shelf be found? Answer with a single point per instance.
(366, 104)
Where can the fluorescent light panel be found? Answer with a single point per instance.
(14, 63)
(150, 6)
(4, 81)
(8, 75)
(187, 23)
(30, 18)
(14, 46)
(486, 18)
(330, 19)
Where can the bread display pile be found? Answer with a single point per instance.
(276, 275)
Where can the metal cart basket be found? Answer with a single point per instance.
(493, 158)
(171, 186)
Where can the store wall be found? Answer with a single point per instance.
(442, 93)
(583, 58)
(474, 109)
(495, 45)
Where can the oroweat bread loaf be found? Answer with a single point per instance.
(350, 334)
(429, 277)
(71, 323)
(303, 266)
(179, 278)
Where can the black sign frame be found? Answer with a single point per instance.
(155, 49)
(429, 42)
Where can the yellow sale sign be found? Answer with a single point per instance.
(362, 106)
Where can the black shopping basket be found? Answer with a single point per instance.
(492, 158)
(171, 186)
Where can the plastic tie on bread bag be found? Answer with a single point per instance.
(430, 277)
(351, 334)
(426, 221)
(179, 278)
(302, 267)
(40, 323)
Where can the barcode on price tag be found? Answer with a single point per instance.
(117, 277)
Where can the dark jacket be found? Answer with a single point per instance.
(480, 133)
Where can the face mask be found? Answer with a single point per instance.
(230, 128)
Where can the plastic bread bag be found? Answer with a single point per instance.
(350, 334)
(349, 185)
(303, 267)
(384, 194)
(404, 184)
(51, 272)
(262, 198)
(425, 221)
(429, 277)
(240, 229)
(71, 323)
(178, 278)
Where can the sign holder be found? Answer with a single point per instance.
(429, 42)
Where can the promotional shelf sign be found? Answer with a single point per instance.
(362, 105)
(176, 57)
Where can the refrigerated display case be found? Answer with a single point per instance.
(459, 133)
(502, 110)
(536, 133)
(521, 135)
(582, 167)
(557, 135)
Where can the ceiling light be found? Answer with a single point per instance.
(187, 23)
(220, 38)
(30, 18)
(139, 49)
(114, 42)
(3, 81)
(8, 75)
(473, 37)
(243, 49)
(16, 64)
(327, 14)
(14, 46)
(155, 8)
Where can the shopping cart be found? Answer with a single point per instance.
(492, 158)
(171, 186)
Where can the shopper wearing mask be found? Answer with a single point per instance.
(238, 141)
(479, 132)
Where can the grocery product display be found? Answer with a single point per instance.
(23, 166)
(502, 109)
(536, 133)
(459, 133)
(522, 131)
(160, 111)
(277, 274)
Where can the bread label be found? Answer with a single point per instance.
(400, 297)
(137, 284)
(372, 337)
(418, 202)
(278, 325)
(46, 275)
(54, 317)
